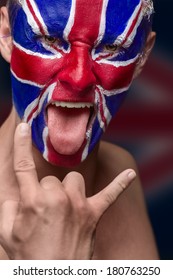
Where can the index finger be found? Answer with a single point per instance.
(24, 165)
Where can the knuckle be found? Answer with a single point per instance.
(30, 207)
(25, 164)
(39, 204)
(83, 212)
(49, 179)
(59, 201)
(34, 210)
(110, 198)
(54, 195)
(50, 183)
(81, 208)
(62, 200)
(86, 218)
(121, 184)
(74, 175)
(36, 205)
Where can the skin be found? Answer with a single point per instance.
(75, 206)
(130, 240)
(87, 64)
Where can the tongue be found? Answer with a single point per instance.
(67, 128)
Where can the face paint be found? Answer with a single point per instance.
(72, 64)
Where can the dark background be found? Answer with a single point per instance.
(160, 203)
(144, 126)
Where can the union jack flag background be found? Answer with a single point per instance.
(143, 126)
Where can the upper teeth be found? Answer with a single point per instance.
(72, 104)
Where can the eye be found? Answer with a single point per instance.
(50, 39)
(111, 48)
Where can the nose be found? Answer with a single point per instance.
(77, 69)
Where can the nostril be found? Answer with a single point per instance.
(80, 81)
(90, 88)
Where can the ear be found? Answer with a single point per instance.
(145, 54)
(5, 35)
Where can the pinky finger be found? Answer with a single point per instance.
(104, 199)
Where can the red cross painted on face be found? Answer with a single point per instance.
(72, 63)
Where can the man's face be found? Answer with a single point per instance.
(72, 63)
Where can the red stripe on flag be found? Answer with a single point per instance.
(132, 26)
(86, 21)
(33, 68)
(101, 109)
(113, 77)
(35, 17)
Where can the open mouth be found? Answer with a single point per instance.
(69, 124)
(72, 104)
(77, 105)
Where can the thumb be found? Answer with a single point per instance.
(102, 200)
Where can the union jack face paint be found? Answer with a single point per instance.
(72, 64)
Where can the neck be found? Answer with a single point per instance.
(88, 168)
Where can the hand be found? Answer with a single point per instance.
(52, 219)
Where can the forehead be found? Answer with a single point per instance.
(86, 16)
(59, 11)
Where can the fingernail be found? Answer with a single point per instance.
(131, 175)
(24, 128)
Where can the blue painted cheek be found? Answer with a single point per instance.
(114, 102)
(23, 95)
(38, 126)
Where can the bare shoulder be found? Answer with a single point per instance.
(124, 231)
(112, 160)
(110, 153)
